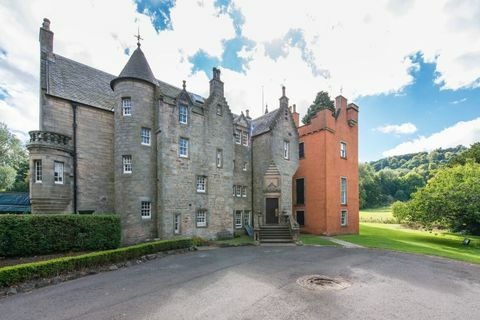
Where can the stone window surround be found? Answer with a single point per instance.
(286, 149)
(201, 184)
(343, 190)
(127, 163)
(177, 224)
(219, 158)
(37, 164)
(343, 218)
(183, 116)
(145, 136)
(185, 147)
(201, 218)
(343, 150)
(238, 221)
(247, 214)
(126, 106)
(58, 172)
(146, 209)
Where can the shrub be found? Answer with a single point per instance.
(400, 211)
(199, 241)
(28, 271)
(24, 235)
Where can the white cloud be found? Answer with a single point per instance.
(404, 128)
(364, 50)
(459, 101)
(463, 132)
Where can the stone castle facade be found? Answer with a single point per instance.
(168, 161)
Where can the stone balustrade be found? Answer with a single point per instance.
(49, 139)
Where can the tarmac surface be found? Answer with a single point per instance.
(261, 283)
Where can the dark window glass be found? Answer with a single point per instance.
(301, 151)
(300, 191)
(301, 218)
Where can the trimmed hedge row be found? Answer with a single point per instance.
(25, 235)
(43, 269)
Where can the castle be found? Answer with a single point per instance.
(168, 161)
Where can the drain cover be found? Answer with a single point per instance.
(318, 282)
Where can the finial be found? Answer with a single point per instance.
(184, 84)
(341, 89)
(46, 24)
(283, 91)
(266, 108)
(138, 37)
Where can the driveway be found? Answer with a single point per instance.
(261, 283)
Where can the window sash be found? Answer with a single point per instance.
(239, 191)
(201, 184)
(238, 136)
(301, 150)
(201, 218)
(343, 218)
(343, 190)
(234, 191)
(58, 172)
(127, 106)
(146, 209)
(238, 219)
(146, 136)
(343, 150)
(286, 149)
(247, 218)
(183, 114)
(219, 158)
(244, 192)
(183, 147)
(38, 171)
(127, 164)
(176, 224)
(244, 138)
(300, 191)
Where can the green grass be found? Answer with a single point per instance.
(238, 241)
(395, 237)
(313, 239)
(377, 215)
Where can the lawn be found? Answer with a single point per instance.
(378, 215)
(313, 239)
(395, 237)
(237, 241)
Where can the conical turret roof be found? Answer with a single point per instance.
(137, 67)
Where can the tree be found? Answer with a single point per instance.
(369, 187)
(322, 101)
(450, 199)
(472, 153)
(13, 162)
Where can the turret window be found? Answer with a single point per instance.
(183, 114)
(146, 136)
(38, 170)
(127, 106)
(127, 163)
(58, 172)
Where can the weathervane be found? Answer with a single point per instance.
(138, 37)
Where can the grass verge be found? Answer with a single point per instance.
(317, 240)
(395, 237)
(243, 240)
(44, 269)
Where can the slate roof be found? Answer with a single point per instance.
(264, 123)
(71, 80)
(137, 67)
(14, 202)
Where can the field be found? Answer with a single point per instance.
(377, 215)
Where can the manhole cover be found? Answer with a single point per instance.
(318, 282)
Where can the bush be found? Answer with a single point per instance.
(28, 271)
(400, 211)
(24, 235)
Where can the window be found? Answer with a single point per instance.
(239, 191)
(301, 150)
(145, 135)
(37, 164)
(238, 219)
(201, 218)
(300, 191)
(344, 218)
(234, 191)
(244, 191)
(219, 109)
(244, 138)
(176, 224)
(219, 158)
(201, 184)
(183, 148)
(127, 164)
(244, 166)
(238, 135)
(146, 210)
(343, 190)
(301, 217)
(183, 114)
(58, 172)
(247, 218)
(127, 106)
(343, 150)
(286, 150)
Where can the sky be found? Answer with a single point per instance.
(412, 66)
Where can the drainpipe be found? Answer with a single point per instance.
(74, 111)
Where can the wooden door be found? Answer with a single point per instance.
(271, 206)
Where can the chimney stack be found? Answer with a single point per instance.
(216, 85)
(247, 113)
(46, 38)
(296, 116)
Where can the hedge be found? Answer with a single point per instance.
(43, 269)
(26, 235)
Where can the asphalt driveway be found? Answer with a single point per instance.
(260, 283)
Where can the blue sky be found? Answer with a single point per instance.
(412, 66)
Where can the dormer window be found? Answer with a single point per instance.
(126, 106)
(183, 114)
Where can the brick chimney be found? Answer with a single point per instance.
(295, 115)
